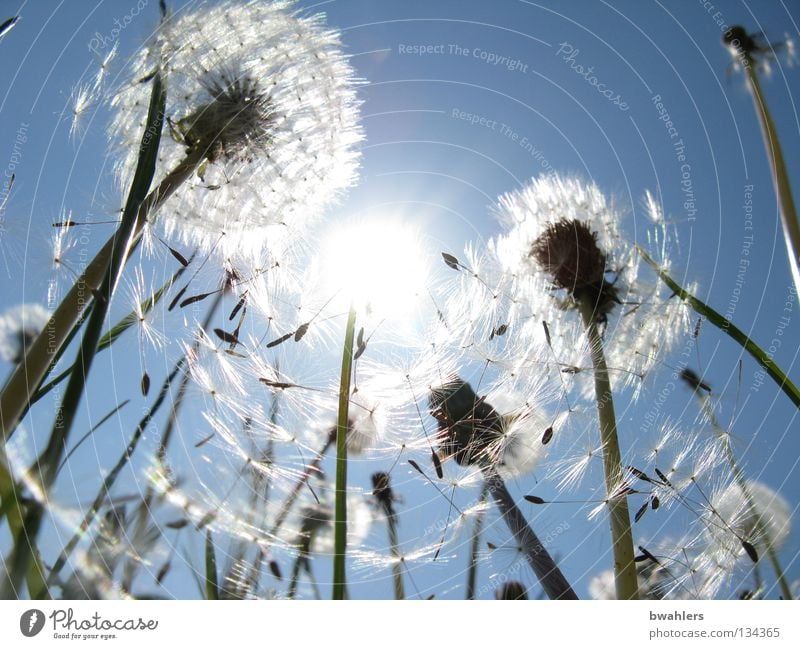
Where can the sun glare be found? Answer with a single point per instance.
(377, 266)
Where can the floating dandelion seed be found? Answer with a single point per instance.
(19, 327)
(265, 100)
(81, 100)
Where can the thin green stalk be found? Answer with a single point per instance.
(394, 544)
(21, 554)
(761, 530)
(112, 476)
(212, 580)
(701, 308)
(472, 574)
(91, 432)
(340, 524)
(286, 507)
(172, 420)
(477, 531)
(625, 575)
(553, 582)
(780, 178)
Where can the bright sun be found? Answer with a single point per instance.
(376, 265)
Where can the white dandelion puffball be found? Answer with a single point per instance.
(602, 586)
(772, 509)
(543, 220)
(19, 327)
(266, 99)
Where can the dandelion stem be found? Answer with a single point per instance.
(286, 507)
(625, 577)
(212, 579)
(340, 524)
(553, 581)
(761, 529)
(780, 179)
(472, 574)
(701, 308)
(394, 544)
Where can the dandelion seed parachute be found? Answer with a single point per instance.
(268, 98)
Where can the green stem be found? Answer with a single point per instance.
(212, 578)
(340, 524)
(112, 476)
(625, 575)
(394, 544)
(761, 530)
(472, 574)
(286, 507)
(780, 178)
(701, 308)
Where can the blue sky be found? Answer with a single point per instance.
(463, 101)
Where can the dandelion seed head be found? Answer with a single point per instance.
(768, 521)
(564, 244)
(520, 447)
(19, 327)
(511, 590)
(568, 252)
(602, 586)
(267, 99)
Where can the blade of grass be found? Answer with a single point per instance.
(91, 431)
(13, 509)
(340, 522)
(32, 371)
(727, 327)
